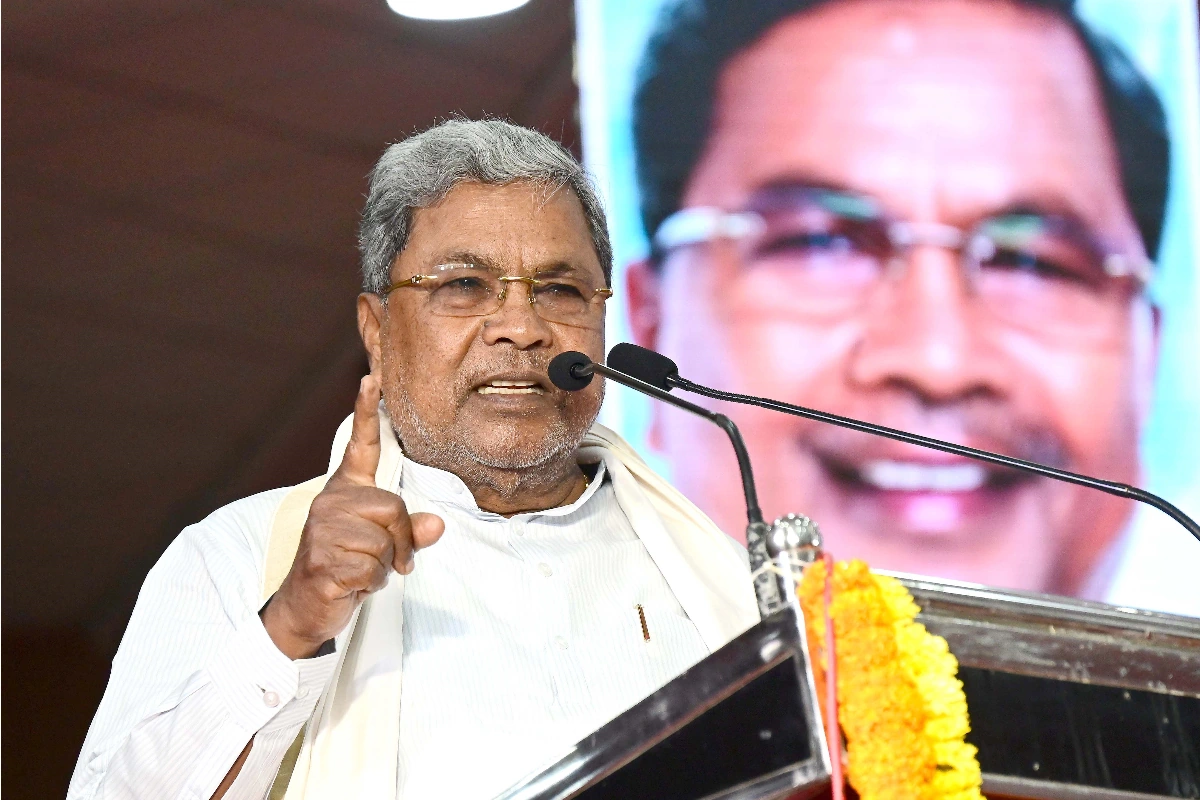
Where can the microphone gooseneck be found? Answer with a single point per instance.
(649, 365)
(571, 371)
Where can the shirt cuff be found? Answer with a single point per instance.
(263, 689)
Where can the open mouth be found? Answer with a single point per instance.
(951, 496)
(900, 476)
(510, 387)
(894, 475)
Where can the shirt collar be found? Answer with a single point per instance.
(447, 489)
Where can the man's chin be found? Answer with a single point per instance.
(521, 446)
(511, 460)
(499, 436)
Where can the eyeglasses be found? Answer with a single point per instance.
(471, 290)
(821, 253)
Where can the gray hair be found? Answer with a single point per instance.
(421, 170)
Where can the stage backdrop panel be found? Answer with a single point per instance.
(1057, 543)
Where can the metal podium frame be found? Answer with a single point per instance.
(1068, 641)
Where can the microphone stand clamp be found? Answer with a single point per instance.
(779, 555)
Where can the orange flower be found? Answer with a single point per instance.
(897, 707)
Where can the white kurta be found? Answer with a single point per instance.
(519, 637)
(197, 675)
(522, 635)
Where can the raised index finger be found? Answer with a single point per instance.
(362, 453)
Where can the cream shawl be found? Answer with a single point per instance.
(349, 748)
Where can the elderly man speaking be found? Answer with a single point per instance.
(483, 577)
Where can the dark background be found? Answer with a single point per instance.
(181, 185)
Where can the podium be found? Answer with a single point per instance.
(1068, 700)
(1071, 699)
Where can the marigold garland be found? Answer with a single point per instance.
(901, 708)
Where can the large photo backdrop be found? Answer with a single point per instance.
(972, 219)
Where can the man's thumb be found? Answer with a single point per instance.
(362, 453)
(426, 529)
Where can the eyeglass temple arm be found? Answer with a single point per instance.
(601, 292)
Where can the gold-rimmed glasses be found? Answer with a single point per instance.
(817, 253)
(473, 290)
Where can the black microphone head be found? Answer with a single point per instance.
(563, 369)
(645, 365)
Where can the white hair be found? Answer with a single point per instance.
(421, 170)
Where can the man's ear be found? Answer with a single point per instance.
(1156, 322)
(370, 325)
(642, 299)
(1152, 359)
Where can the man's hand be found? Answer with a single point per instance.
(355, 535)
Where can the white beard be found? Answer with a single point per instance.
(474, 461)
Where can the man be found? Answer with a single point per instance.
(936, 216)
(471, 537)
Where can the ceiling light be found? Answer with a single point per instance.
(452, 9)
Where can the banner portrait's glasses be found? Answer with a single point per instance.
(821, 253)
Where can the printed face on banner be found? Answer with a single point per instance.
(911, 213)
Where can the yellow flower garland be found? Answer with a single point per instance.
(901, 707)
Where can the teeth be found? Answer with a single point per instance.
(510, 387)
(908, 477)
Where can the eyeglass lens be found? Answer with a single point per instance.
(467, 290)
(823, 252)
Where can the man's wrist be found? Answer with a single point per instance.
(295, 647)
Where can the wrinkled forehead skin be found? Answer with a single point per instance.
(520, 228)
(945, 110)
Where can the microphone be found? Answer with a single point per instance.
(662, 373)
(572, 371)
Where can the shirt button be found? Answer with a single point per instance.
(544, 568)
(560, 642)
(302, 692)
(271, 699)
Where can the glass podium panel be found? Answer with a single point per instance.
(742, 723)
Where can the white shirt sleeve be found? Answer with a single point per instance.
(197, 676)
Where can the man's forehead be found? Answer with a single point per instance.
(934, 106)
(472, 203)
(503, 226)
(490, 261)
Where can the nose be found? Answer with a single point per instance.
(923, 333)
(516, 321)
